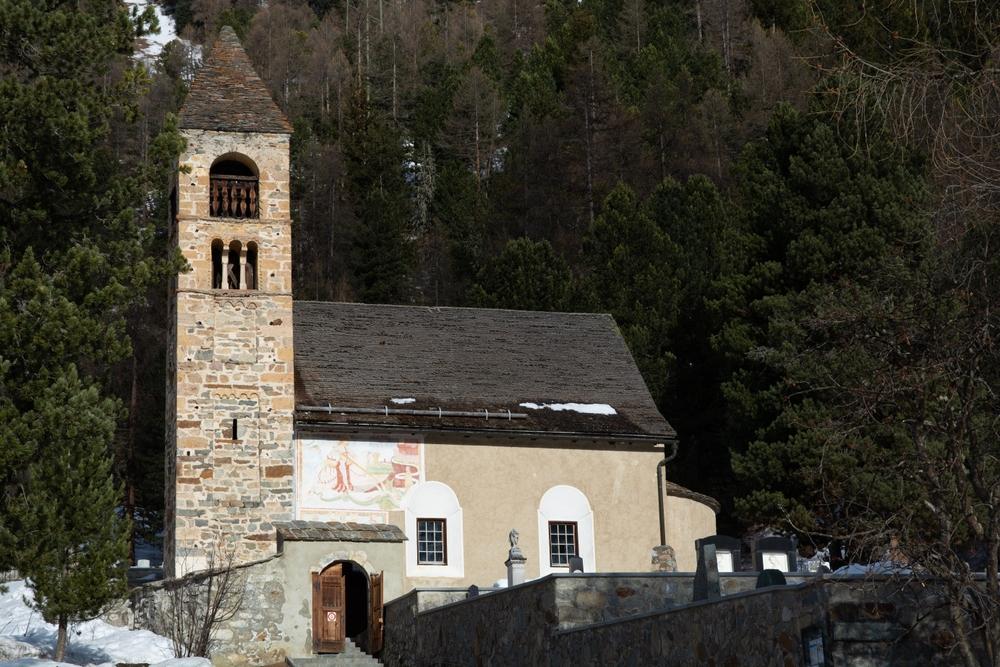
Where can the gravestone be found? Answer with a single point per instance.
(727, 551)
(776, 553)
(575, 564)
(770, 578)
(473, 591)
(706, 577)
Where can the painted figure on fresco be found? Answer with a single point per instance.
(355, 475)
(336, 470)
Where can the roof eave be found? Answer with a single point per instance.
(206, 127)
(623, 438)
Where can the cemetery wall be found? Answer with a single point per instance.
(620, 619)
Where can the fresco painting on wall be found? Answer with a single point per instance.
(346, 479)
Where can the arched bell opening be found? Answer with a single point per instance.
(251, 267)
(233, 265)
(217, 273)
(234, 187)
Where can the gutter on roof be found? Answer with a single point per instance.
(437, 412)
(516, 433)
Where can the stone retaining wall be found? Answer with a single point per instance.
(609, 619)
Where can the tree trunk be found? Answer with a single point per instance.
(133, 412)
(60, 651)
(588, 118)
(701, 36)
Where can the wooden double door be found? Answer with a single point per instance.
(345, 598)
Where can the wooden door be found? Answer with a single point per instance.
(375, 619)
(328, 610)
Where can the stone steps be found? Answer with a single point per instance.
(352, 656)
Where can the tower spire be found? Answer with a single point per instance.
(228, 96)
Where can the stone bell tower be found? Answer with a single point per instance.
(230, 393)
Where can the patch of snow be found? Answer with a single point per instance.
(35, 662)
(584, 408)
(880, 567)
(11, 649)
(403, 401)
(184, 662)
(150, 551)
(89, 642)
(152, 44)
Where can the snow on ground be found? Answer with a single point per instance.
(90, 642)
(39, 662)
(403, 401)
(151, 45)
(585, 408)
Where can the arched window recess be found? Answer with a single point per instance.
(234, 190)
(233, 266)
(251, 266)
(217, 273)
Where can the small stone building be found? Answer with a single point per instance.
(444, 427)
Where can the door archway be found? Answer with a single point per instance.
(346, 603)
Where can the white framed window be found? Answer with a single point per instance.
(433, 520)
(566, 529)
(432, 545)
(562, 542)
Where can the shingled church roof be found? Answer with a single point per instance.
(228, 96)
(415, 367)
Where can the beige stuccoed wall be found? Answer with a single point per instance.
(500, 483)
(687, 521)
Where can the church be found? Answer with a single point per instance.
(394, 446)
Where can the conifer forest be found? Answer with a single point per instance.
(788, 206)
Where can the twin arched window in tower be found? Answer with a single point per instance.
(234, 266)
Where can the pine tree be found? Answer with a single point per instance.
(630, 272)
(815, 211)
(526, 275)
(75, 547)
(78, 220)
(381, 256)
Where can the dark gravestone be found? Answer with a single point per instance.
(473, 591)
(775, 546)
(723, 543)
(706, 577)
(575, 564)
(770, 578)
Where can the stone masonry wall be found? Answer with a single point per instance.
(233, 355)
(255, 635)
(274, 620)
(576, 620)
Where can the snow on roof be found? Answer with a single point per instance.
(472, 360)
(582, 408)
